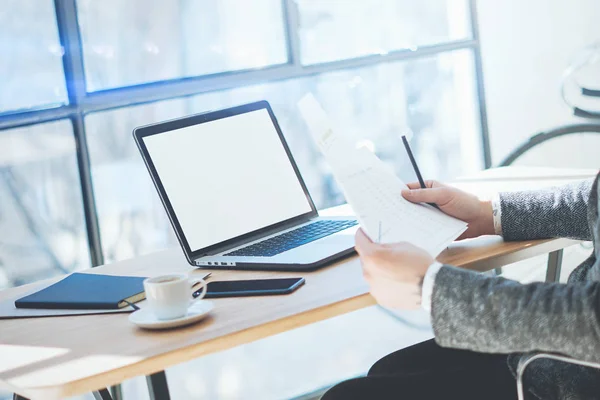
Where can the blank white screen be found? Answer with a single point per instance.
(227, 177)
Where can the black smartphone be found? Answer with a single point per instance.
(254, 287)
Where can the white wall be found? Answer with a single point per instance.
(526, 45)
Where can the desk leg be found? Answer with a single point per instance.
(102, 394)
(116, 392)
(158, 386)
(554, 266)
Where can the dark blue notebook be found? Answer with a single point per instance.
(87, 292)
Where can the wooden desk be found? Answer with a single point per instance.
(51, 358)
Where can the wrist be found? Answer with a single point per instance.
(428, 285)
(485, 221)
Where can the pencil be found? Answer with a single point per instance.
(416, 167)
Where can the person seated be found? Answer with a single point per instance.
(483, 324)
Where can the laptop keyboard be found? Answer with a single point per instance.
(292, 239)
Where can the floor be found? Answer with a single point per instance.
(301, 363)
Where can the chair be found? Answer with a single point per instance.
(536, 142)
(524, 362)
(591, 131)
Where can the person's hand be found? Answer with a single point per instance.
(394, 272)
(456, 203)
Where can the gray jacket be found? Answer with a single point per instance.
(496, 315)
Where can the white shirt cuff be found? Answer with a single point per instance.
(428, 282)
(497, 213)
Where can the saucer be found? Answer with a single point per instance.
(145, 318)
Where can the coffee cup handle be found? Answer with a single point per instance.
(193, 283)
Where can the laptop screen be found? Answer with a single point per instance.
(227, 177)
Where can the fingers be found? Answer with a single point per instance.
(414, 185)
(437, 195)
(428, 184)
(363, 244)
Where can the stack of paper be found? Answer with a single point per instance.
(374, 192)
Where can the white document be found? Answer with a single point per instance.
(374, 191)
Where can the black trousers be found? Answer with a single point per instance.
(428, 371)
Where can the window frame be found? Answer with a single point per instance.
(81, 103)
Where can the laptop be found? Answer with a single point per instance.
(234, 195)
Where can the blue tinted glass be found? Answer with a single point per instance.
(42, 228)
(129, 42)
(31, 71)
(333, 30)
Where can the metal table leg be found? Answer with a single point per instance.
(102, 394)
(554, 266)
(116, 392)
(158, 386)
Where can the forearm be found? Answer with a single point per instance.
(554, 212)
(495, 315)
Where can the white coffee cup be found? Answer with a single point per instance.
(170, 296)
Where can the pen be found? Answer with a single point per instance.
(416, 167)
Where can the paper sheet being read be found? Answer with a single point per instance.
(374, 191)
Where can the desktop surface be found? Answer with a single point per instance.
(52, 358)
(74, 355)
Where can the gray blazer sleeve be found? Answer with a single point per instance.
(539, 214)
(495, 315)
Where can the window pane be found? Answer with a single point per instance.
(42, 228)
(435, 97)
(337, 29)
(31, 72)
(131, 217)
(139, 41)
